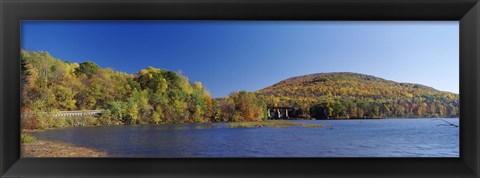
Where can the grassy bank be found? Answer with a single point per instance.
(272, 123)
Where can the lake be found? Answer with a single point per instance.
(345, 138)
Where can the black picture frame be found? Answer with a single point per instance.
(465, 11)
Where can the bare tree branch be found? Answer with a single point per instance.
(446, 123)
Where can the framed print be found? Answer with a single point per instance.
(239, 88)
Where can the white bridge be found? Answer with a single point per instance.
(279, 112)
(77, 113)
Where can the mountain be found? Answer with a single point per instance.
(351, 95)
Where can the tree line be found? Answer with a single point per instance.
(157, 96)
(152, 95)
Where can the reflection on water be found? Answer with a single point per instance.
(346, 138)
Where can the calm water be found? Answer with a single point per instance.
(345, 138)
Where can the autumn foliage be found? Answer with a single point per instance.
(155, 96)
(351, 95)
(150, 96)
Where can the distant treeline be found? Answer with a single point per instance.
(160, 96)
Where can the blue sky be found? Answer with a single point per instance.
(230, 56)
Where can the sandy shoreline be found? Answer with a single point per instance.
(43, 148)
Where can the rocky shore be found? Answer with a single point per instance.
(42, 148)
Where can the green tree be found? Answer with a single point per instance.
(87, 68)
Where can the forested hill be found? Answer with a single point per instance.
(152, 95)
(352, 95)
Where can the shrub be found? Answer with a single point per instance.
(90, 120)
(59, 122)
(105, 118)
(25, 138)
(30, 124)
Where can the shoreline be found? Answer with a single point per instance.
(297, 119)
(384, 118)
(54, 149)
